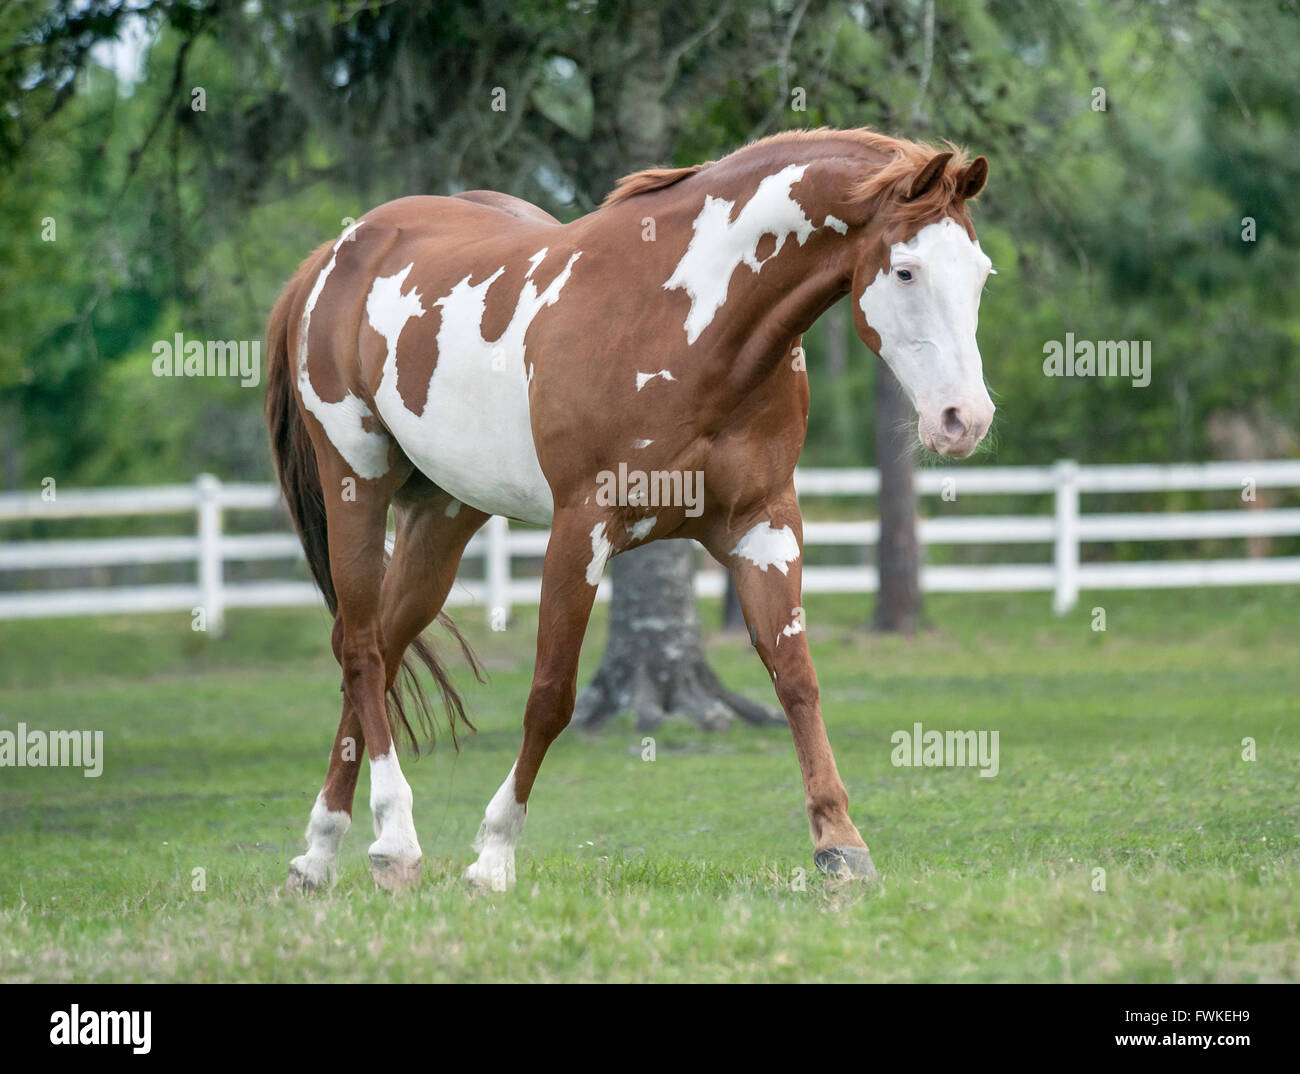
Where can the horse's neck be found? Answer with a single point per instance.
(744, 320)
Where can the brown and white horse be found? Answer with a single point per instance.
(459, 357)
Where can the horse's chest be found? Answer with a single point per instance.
(473, 435)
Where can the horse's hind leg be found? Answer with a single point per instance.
(432, 532)
(331, 816)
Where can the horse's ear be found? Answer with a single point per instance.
(928, 176)
(971, 179)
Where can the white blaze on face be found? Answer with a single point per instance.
(719, 245)
(927, 324)
(474, 436)
(765, 547)
(366, 452)
(503, 821)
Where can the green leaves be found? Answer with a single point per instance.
(562, 93)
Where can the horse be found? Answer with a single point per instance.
(458, 357)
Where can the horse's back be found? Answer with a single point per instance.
(508, 204)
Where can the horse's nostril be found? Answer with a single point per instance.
(952, 423)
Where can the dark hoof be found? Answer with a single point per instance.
(846, 863)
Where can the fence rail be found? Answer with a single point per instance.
(498, 545)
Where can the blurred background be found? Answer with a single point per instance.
(165, 164)
(164, 167)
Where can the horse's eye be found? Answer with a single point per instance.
(904, 275)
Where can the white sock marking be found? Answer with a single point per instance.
(324, 835)
(390, 807)
(503, 820)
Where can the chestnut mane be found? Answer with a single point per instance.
(896, 162)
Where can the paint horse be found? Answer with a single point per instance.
(460, 357)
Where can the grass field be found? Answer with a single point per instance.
(1119, 751)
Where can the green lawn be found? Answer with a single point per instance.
(1118, 751)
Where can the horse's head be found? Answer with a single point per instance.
(916, 294)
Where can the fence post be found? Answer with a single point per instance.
(210, 566)
(1067, 536)
(497, 567)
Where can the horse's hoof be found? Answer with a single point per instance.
(495, 875)
(307, 875)
(395, 874)
(846, 863)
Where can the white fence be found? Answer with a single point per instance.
(496, 587)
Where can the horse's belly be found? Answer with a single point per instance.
(474, 440)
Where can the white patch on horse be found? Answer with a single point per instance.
(719, 245)
(641, 528)
(643, 378)
(644, 443)
(483, 454)
(453, 509)
(503, 820)
(600, 550)
(795, 627)
(324, 835)
(835, 224)
(366, 452)
(765, 547)
(390, 808)
(536, 260)
(388, 309)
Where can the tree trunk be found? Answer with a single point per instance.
(654, 664)
(898, 601)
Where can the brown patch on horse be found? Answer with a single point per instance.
(414, 387)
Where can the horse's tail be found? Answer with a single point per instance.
(291, 447)
(299, 476)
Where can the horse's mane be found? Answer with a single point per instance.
(902, 159)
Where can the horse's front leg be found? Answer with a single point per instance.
(764, 548)
(575, 558)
